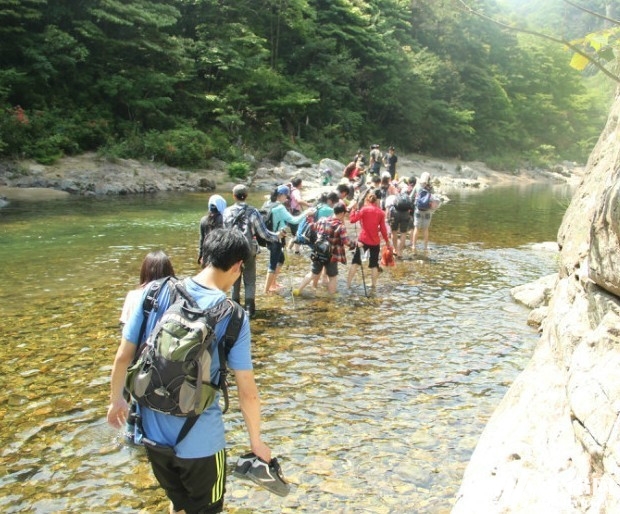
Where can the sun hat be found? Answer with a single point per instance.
(425, 178)
(218, 202)
(283, 190)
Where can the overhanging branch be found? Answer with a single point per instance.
(568, 44)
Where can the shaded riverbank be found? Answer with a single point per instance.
(91, 175)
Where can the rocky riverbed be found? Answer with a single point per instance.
(91, 175)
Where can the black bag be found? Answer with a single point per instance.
(403, 203)
(267, 215)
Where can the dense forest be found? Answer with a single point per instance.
(181, 81)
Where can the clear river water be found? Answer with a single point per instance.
(373, 405)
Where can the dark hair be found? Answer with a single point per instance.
(339, 208)
(154, 266)
(322, 198)
(371, 197)
(223, 248)
(412, 180)
(333, 197)
(342, 188)
(240, 196)
(296, 181)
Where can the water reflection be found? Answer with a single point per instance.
(374, 404)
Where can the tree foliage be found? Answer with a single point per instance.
(182, 80)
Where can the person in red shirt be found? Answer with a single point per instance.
(372, 220)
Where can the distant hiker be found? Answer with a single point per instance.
(154, 266)
(281, 217)
(345, 193)
(400, 218)
(389, 161)
(297, 204)
(250, 222)
(193, 471)
(213, 219)
(332, 231)
(348, 169)
(372, 220)
(423, 210)
(375, 159)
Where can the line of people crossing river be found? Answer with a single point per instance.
(174, 330)
(359, 215)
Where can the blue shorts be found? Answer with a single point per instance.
(276, 256)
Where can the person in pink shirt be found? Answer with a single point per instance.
(372, 220)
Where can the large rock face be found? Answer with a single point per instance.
(553, 444)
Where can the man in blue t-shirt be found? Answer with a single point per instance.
(194, 476)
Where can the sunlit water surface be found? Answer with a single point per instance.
(372, 404)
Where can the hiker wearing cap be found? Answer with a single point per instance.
(332, 230)
(189, 461)
(247, 219)
(389, 161)
(423, 213)
(372, 220)
(213, 219)
(281, 218)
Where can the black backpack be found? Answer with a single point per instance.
(241, 222)
(266, 213)
(403, 203)
(321, 248)
(172, 373)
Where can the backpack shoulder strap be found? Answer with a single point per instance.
(228, 340)
(239, 215)
(151, 302)
(224, 346)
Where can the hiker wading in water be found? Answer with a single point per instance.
(372, 220)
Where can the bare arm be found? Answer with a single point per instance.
(118, 409)
(250, 407)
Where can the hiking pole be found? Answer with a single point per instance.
(361, 262)
(290, 277)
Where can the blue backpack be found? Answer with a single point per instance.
(423, 200)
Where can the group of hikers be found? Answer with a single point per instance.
(386, 208)
(155, 386)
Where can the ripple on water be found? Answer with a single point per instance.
(373, 404)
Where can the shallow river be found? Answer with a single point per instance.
(371, 404)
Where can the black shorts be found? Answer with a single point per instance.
(196, 486)
(401, 221)
(331, 268)
(373, 256)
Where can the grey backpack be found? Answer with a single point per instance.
(172, 374)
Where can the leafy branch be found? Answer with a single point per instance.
(577, 63)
